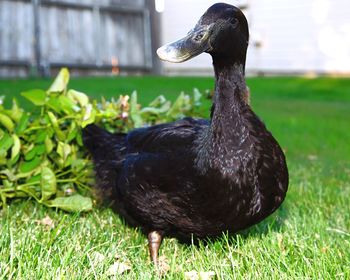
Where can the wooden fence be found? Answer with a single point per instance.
(38, 36)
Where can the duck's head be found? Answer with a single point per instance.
(222, 32)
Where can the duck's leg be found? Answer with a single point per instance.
(154, 241)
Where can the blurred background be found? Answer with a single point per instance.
(105, 37)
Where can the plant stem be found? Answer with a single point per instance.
(30, 194)
(68, 118)
(67, 180)
(63, 173)
(27, 185)
(34, 128)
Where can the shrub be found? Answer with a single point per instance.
(41, 152)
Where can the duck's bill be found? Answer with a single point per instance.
(195, 43)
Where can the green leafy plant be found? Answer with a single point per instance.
(41, 152)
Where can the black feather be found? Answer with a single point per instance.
(197, 177)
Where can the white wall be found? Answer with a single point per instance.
(296, 36)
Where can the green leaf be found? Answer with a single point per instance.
(88, 115)
(181, 104)
(8, 175)
(3, 199)
(34, 179)
(16, 147)
(30, 154)
(74, 203)
(156, 111)
(40, 149)
(78, 97)
(197, 97)
(80, 140)
(53, 119)
(36, 96)
(47, 183)
(22, 124)
(6, 122)
(7, 184)
(15, 113)
(14, 160)
(3, 155)
(78, 165)
(59, 133)
(72, 133)
(67, 105)
(54, 104)
(158, 101)
(6, 142)
(37, 150)
(63, 150)
(135, 111)
(40, 136)
(61, 81)
(48, 145)
(28, 166)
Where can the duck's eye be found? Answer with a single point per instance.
(234, 22)
(198, 36)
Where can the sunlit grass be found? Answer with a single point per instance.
(307, 238)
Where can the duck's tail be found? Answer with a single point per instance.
(101, 143)
(108, 153)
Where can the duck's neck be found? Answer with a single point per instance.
(227, 131)
(228, 102)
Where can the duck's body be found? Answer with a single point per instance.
(195, 177)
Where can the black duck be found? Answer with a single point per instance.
(193, 177)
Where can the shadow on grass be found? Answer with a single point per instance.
(273, 223)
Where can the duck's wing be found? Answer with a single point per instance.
(168, 137)
(158, 167)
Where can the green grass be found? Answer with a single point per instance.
(307, 238)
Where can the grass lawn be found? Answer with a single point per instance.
(307, 238)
